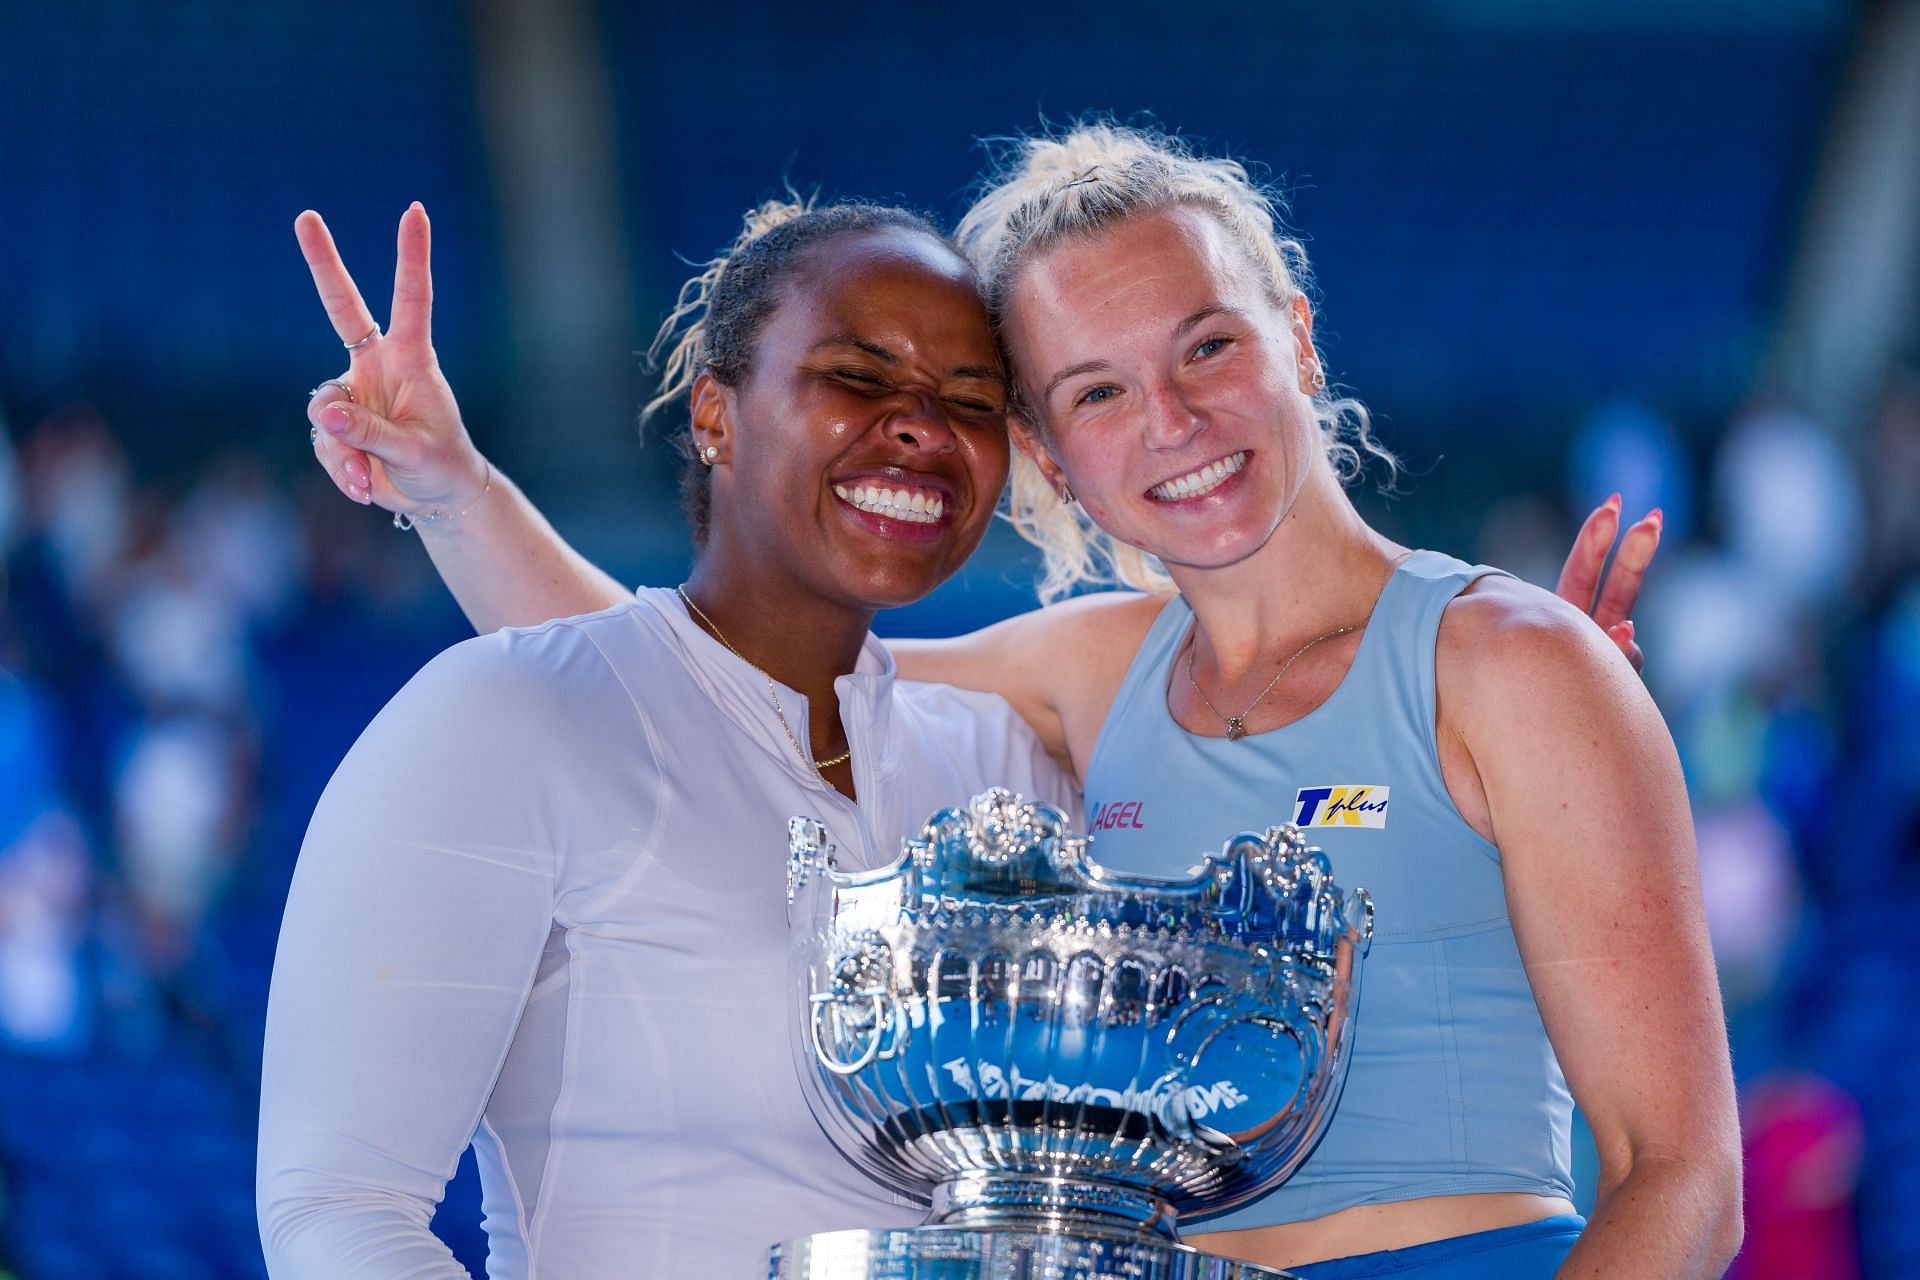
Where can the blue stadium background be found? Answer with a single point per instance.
(1561, 251)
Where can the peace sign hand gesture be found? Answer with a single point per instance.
(388, 430)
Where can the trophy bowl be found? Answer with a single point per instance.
(1062, 1058)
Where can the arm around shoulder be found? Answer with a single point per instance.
(1058, 666)
(1588, 807)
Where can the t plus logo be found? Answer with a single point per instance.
(1352, 805)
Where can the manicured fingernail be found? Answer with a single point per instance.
(356, 475)
(359, 494)
(1613, 502)
(1628, 624)
(335, 418)
(1656, 517)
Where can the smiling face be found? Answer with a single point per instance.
(1172, 391)
(865, 449)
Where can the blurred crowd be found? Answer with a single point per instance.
(1781, 624)
(182, 666)
(180, 670)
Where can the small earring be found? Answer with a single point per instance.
(1066, 495)
(711, 455)
(1318, 380)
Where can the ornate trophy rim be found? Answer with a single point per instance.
(1253, 957)
(1245, 862)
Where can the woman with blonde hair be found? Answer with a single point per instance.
(1470, 749)
(1464, 745)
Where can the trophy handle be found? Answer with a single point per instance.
(1309, 1044)
(832, 1061)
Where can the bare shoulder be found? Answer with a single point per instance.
(1059, 666)
(1501, 627)
(1107, 621)
(1506, 646)
(1081, 636)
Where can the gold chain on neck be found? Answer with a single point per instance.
(772, 692)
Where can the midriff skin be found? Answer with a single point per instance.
(1369, 1228)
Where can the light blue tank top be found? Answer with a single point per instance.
(1453, 1087)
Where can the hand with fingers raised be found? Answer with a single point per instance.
(1608, 595)
(388, 430)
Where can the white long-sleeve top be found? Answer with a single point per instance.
(541, 907)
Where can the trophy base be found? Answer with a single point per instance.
(962, 1253)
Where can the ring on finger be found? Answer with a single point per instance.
(355, 346)
(336, 382)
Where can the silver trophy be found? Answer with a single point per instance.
(1063, 1058)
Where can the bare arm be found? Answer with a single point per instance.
(396, 441)
(1586, 801)
(509, 568)
(1059, 666)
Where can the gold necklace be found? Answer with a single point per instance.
(1237, 725)
(798, 750)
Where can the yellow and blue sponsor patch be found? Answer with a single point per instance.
(1351, 805)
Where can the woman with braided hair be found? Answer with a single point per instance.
(540, 906)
